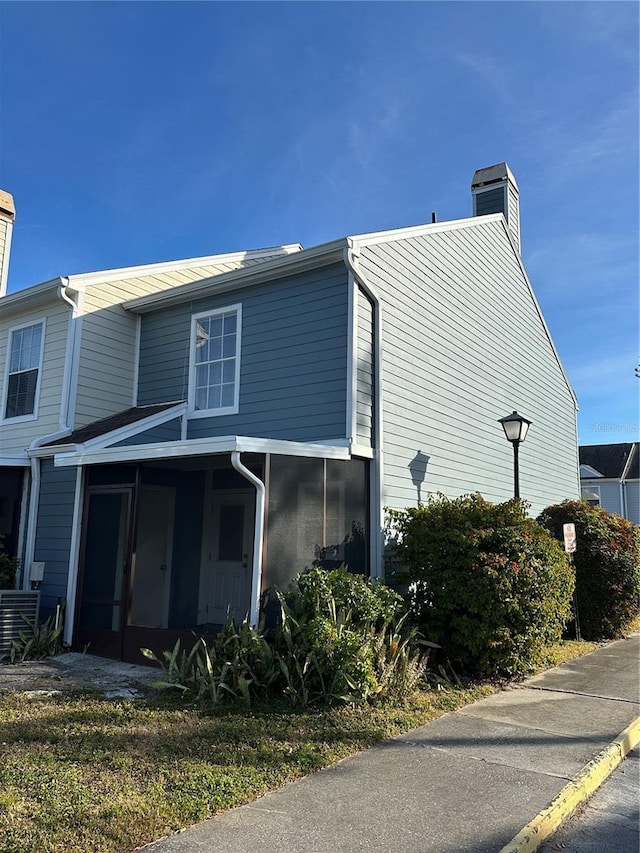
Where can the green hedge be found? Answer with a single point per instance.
(607, 564)
(488, 584)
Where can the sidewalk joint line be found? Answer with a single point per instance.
(580, 693)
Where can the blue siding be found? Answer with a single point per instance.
(170, 431)
(53, 534)
(632, 495)
(364, 371)
(293, 379)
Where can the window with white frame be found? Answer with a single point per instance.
(22, 378)
(591, 494)
(215, 361)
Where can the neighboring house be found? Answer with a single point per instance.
(280, 408)
(610, 477)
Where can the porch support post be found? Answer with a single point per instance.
(258, 533)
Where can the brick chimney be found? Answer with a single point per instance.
(494, 190)
(7, 216)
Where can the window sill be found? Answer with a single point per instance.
(211, 413)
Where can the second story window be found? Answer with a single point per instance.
(22, 377)
(215, 362)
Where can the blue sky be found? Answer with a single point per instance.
(140, 132)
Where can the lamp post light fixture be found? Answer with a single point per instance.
(515, 428)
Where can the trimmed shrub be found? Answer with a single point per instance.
(342, 638)
(607, 564)
(488, 584)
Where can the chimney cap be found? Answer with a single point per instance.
(493, 175)
(7, 207)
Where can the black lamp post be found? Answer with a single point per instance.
(515, 428)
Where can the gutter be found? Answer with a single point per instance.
(351, 261)
(70, 354)
(258, 534)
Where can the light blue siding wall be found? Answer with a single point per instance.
(632, 493)
(53, 534)
(364, 371)
(293, 379)
(609, 493)
(170, 431)
(463, 345)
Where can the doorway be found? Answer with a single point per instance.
(227, 551)
(106, 552)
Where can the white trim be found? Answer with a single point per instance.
(376, 481)
(65, 396)
(360, 240)
(520, 262)
(258, 536)
(632, 452)
(352, 337)
(123, 273)
(129, 430)
(30, 539)
(14, 461)
(227, 410)
(75, 363)
(136, 360)
(32, 416)
(22, 526)
(49, 451)
(587, 472)
(362, 450)
(74, 557)
(200, 447)
(5, 258)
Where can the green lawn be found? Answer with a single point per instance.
(83, 773)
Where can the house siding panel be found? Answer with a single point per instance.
(364, 371)
(293, 358)
(53, 533)
(456, 311)
(632, 494)
(170, 431)
(15, 437)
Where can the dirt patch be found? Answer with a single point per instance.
(73, 671)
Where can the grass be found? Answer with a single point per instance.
(83, 773)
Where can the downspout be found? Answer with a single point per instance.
(258, 534)
(623, 492)
(63, 432)
(377, 494)
(70, 355)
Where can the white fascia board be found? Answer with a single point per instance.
(298, 262)
(122, 273)
(45, 452)
(129, 430)
(587, 472)
(14, 461)
(632, 452)
(360, 240)
(32, 297)
(200, 447)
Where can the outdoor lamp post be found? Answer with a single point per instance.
(515, 428)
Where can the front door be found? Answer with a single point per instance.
(105, 570)
(151, 584)
(226, 564)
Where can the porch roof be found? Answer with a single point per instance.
(201, 447)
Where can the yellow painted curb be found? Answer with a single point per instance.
(575, 792)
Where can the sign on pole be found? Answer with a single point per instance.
(569, 531)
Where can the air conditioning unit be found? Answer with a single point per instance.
(19, 610)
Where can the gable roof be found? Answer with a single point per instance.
(612, 461)
(109, 424)
(181, 271)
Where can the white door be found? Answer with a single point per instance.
(227, 551)
(154, 543)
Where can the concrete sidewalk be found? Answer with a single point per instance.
(470, 781)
